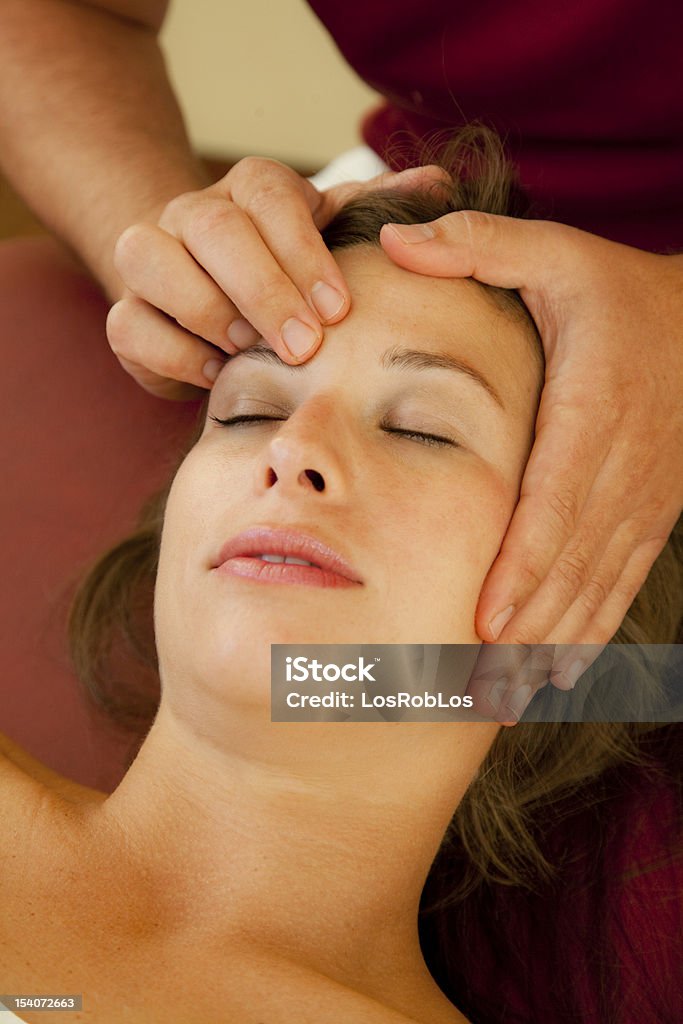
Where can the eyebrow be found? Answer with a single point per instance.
(396, 357)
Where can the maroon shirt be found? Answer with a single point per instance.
(589, 96)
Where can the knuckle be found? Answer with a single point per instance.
(530, 574)
(249, 167)
(477, 221)
(594, 595)
(437, 175)
(564, 507)
(481, 228)
(269, 296)
(177, 208)
(130, 246)
(270, 195)
(268, 187)
(120, 320)
(209, 218)
(571, 572)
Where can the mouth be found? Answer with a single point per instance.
(277, 555)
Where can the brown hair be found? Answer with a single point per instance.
(532, 772)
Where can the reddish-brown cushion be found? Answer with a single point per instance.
(83, 446)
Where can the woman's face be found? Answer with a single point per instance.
(339, 457)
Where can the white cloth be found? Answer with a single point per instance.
(358, 164)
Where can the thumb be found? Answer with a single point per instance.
(502, 251)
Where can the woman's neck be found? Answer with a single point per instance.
(314, 843)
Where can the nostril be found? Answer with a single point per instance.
(316, 479)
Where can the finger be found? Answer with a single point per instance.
(523, 685)
(156, 267)
(560, 472)
(162, 357)
(503, 251)
(222, 239)
(490, 678)
(585, 630)
(288, 211)
(582, 575)
(587, 622)
(562, 665)
(571, 661)
(565, 607)
(281, 204)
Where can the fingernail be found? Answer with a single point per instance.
(496, 693)
(499, 621)
(299, 337)
(515, 707)
(327, 300)
(241, 333)
(212, 368)
(566, 678)
(412, 233)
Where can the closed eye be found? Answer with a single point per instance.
(233, 421)
(420, 436)
(433, 439)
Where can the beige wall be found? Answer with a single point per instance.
(262, 77)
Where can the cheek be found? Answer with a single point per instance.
(186, 542)
(460, 514)
(186, 522)
(450, 537)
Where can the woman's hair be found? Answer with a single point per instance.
(536, 775)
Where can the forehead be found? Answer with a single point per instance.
(379, 286)
(457, 316)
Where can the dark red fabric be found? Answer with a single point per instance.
(589, 96)
(83, 447)
(603, 942)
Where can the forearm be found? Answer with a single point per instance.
(90, 132)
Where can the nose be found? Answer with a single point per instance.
(307, 453)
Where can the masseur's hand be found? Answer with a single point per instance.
(219, 269)
(603, 487)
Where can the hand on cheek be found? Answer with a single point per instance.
(603, 486)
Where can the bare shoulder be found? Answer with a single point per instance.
(37, 808)
(41, 813)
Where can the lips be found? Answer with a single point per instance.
(287, 543)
